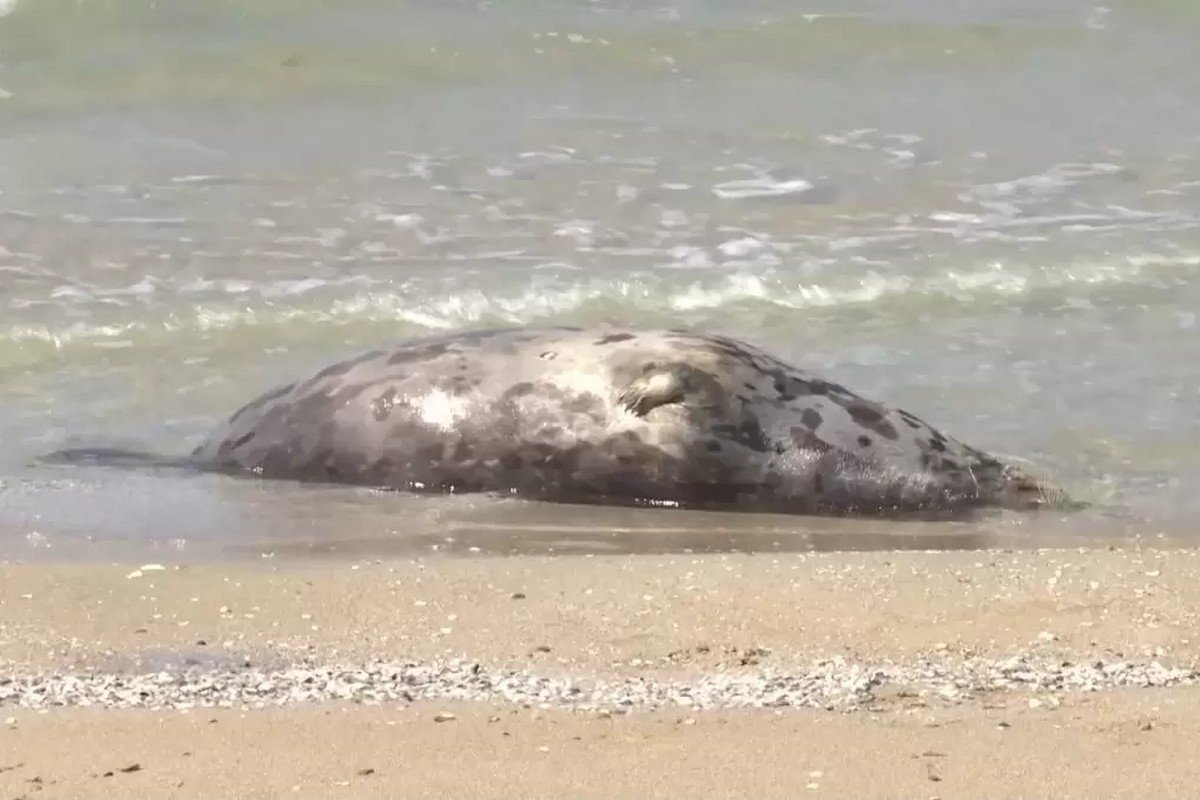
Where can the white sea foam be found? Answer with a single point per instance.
(764, 186)
(691, 285)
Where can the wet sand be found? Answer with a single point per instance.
(947, 715)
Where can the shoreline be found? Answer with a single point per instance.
(831, 685)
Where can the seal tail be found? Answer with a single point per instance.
(114, 457)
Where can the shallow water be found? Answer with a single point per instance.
(989, 216)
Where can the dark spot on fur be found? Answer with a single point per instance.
(733, 349)
(463, 450)
(805, 439)
(381, 407)
(713, 446)
(909, 419)
(753, 436)
(519, 390)
(864, 441)
(611, 338)
(938, 445)
(748, 434)
(811, 418)
(750, 386)
(241, 440)
(870, 418)
(818, 483)
(811, 386)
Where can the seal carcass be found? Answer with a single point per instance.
(610, 416)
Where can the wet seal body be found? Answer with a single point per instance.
(611, 416)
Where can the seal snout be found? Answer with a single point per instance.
(1022, 492)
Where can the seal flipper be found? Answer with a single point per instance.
(656, 386)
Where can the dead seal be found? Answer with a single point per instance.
(627, 417)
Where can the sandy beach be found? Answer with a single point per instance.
(986, 214)
(1066, 673)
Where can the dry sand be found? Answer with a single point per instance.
(938, 724)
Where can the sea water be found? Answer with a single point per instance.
(987, 213)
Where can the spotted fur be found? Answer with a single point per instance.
(618, 417)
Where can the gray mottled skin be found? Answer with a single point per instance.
(609, 416)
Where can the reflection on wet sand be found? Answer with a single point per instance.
(501, 540)
(101, 513)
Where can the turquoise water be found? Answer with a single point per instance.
(989, 215)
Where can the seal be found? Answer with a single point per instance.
(622, 417)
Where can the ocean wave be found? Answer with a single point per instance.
(202, 307)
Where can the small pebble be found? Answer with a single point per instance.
(444, 716)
